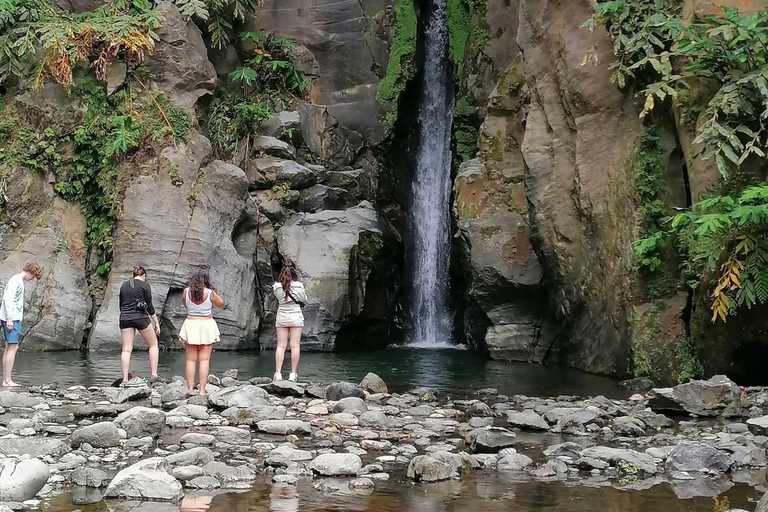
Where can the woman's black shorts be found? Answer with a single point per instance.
(138, 323)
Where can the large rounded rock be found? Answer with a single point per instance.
(232, 435)
(526, 420)
(199, 456)
(99, 435)
(374, 419)
(372, 383)
(286, 454)
(141, 421)
(629, 427)
(89, 477)
(22, 480)
(514, 462)
(244, 397)
(283, 427)
(339, 390)
(336, 464)
(490, 439)
(149, 479)
(352, 404)
(424, 468)
(697, 457)
(34, 447)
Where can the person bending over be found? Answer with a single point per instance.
(11, 315)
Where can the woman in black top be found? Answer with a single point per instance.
(138, 313)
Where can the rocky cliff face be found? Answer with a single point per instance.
(181, 207)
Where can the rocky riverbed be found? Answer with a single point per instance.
(137, 445)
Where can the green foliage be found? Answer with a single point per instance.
(666, 57)
(108, 131)
(728, 237)
(401, 66)
(689, 366)
(270, 77)
(629, 472)
(458, 31)
(647, 173)
(57, 40)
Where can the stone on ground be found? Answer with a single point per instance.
(687, 456)
(526, 420)
(141, 421)
(490, 439)
(424, 468)
(339, 390)
(336, 464)
(22, 480)
(372, 383)
(149, 479)
(99, 435)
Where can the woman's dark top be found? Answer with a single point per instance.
(130, 297)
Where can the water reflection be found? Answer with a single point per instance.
(487, 492)
(456, 372)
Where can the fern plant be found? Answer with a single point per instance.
(57, 40)
(728, 237)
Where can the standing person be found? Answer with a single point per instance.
(199, 331)
(291, 297)
(11, 314)
(138, 314)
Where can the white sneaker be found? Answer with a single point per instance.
(293, 377)
(277, 376)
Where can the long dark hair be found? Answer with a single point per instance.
(288, 275)
(199, 281)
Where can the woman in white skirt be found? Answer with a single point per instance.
(199, 331)
(291, 297)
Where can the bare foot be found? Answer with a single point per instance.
(11, 384)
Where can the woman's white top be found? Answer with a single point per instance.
(205, 308)
(297, 290)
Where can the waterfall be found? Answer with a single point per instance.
(432, 189)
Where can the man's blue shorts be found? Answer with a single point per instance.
(14, 335)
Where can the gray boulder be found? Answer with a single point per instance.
(700, 397)
(424, 468)
(762, 505)
(372, 383)
(228, 474)
(339, 390)
(526, 420)
(336, 464)
(232, 435)
(490, 439)
(34, 447)
(89, 477)
(688, 456)
(284, 427)
(9, 400)
(461, 463)
(286, 454)
(643, 461)
(629, 427)
(514, 462)
(281, 121)
(253, 415)
(246, 396)
(758, 426)
(98, 435)
(374, 419)
(323, 197)
(199, 456)
(554, 415)
(286, 388)
(273, 147)
(149, 479)
(265, 172)
(351, 404)
(141, 421)
(22, 480)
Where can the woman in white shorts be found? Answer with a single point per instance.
(199, 331)
(291, 297)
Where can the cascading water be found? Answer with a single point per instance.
(432, 189)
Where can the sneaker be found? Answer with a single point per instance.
(293, 377)
(277, 376)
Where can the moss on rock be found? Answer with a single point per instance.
(401, 66)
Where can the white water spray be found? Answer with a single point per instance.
(432, 190)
